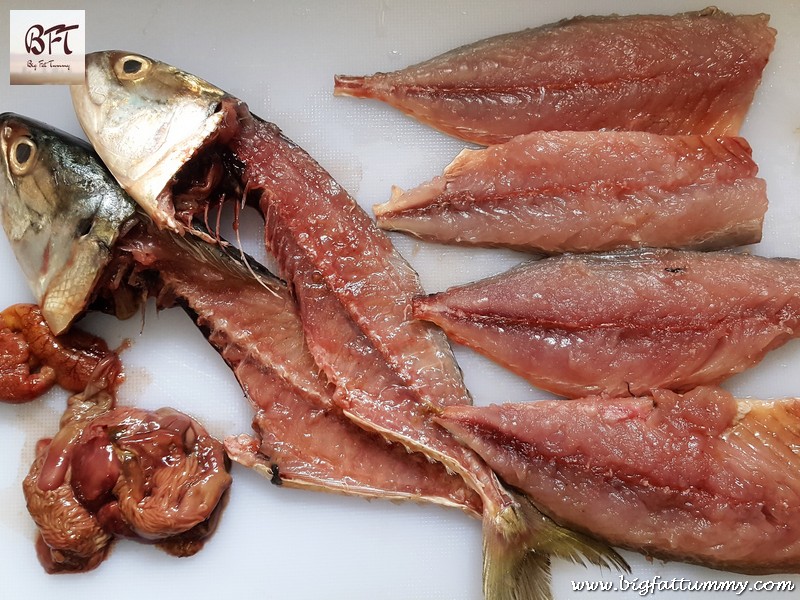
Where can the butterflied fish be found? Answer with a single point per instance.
(691, 73)
(302, 437)
(251, 319)
(628, 322)
(700, 477)
(554, 192)
(343, 271)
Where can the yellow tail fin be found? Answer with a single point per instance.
(518, 544)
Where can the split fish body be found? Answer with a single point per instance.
(336, 260)
(251, 319)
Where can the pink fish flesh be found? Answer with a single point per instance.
(691, 73)
(255, 326)
(321, 221)
(321, 237)
(625, 323)
(393, 374)
(701, 477)
(554, 192)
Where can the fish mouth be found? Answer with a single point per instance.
(175, 116)
(207, 178)
(188, 177)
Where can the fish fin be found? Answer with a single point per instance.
(518, 545)
(461, 163)
(551, 538)
(388, 206)
(224, 257)
(513, 573)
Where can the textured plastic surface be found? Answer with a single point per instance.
(280, 57)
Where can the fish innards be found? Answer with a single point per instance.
(646, 587)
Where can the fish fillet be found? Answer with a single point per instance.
(701, 478)
(624, 323)
(554, 192)
(691, 73)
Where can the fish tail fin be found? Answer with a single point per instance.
(518, 545)
(512, 573)
(351, 85)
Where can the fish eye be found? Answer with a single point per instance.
(131, 67)
(23, 152)
(84, 227)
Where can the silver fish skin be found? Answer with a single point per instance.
(146, 119)
(61, 235)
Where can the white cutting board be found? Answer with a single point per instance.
(280, 57)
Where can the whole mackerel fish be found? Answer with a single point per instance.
(54, 188)
(685, 74)
(393, 374)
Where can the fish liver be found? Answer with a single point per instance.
(554, 192)
(691, 73)
(627, 322)
(700, 478)
(170, 490)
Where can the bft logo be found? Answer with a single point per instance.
(57, 34)
(47, 46)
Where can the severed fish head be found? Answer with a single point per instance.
(62, 213)
(146, 119)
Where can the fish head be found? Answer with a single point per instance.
(62, 213)
(146, 119)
